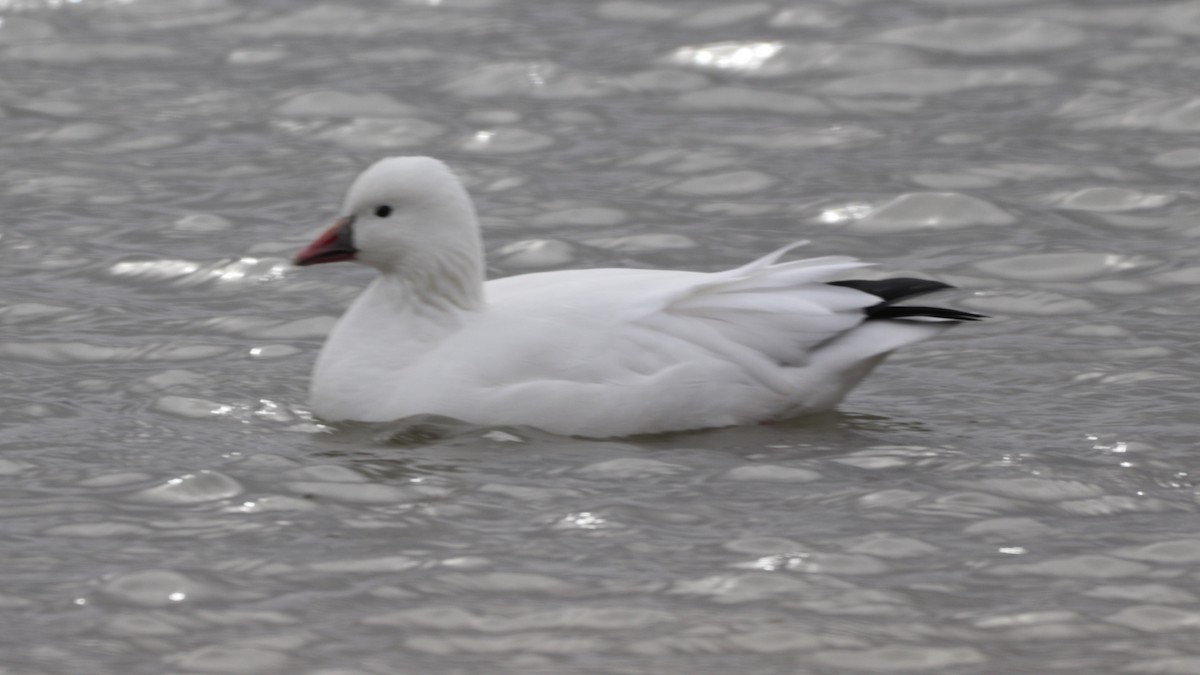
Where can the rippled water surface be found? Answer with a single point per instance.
(1014, 497)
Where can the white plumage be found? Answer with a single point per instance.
(596, 352)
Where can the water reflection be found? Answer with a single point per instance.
(189, 273)
(745, 57)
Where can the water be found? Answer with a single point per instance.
(1016, 496)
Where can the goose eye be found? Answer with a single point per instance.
(383, 211)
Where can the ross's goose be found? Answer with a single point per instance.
(595, 352)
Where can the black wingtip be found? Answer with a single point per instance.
(908, 312)
(894, 290)
(891, 291)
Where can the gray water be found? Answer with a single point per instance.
(1014, 497)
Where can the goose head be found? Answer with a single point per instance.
(410, 218)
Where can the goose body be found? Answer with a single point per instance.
(595, 352)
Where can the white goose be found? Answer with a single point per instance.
(595, 352)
